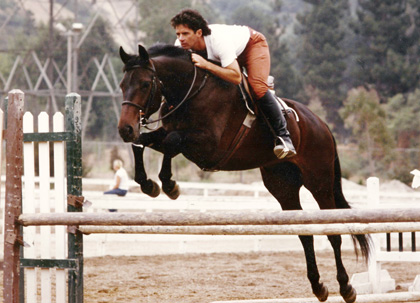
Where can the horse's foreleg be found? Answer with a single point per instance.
(149, 187)
(319, 290)
(169, 186)
(172, 145)
(346, 290)
(152, 140)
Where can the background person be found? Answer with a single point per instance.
(120, 185)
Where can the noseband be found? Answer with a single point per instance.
(155, 79)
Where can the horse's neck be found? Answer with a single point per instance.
(172, 70)
(176, 76)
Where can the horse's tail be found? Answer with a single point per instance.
(341, 202)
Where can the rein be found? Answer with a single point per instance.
(144, 122)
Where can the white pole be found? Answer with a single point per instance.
(69, 55)
(374, 267)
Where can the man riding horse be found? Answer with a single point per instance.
(234, 46)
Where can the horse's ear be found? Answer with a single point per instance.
(144, 55)
(124, 56)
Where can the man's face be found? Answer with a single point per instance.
(188, 38)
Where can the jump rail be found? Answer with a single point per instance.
(306, 230)
(331, 216)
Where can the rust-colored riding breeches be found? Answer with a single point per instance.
(256, 59)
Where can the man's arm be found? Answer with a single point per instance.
(230, 73)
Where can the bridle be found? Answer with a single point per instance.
(144, 110)
(155, 83)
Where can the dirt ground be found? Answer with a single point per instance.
(203, 278)
(197, 278)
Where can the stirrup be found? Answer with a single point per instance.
(281, 150)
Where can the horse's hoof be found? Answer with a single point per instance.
(173, 193)
(151, 188)
(349, 294)
(321, 293)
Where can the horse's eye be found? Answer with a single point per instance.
(145, 85)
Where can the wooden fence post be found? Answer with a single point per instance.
(13, 206)
(74, 188)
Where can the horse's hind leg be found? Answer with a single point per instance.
(149, 187)
(346, 290)
(283, 181)
(169, 186)
(322, 190)
(319, 289)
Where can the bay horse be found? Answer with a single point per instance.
(201, 117)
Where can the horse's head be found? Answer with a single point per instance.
(141, 93)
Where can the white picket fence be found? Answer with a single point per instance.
(45, 242)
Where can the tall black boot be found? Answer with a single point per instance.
(270, 108)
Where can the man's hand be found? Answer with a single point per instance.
(199, 61)
(230, 73)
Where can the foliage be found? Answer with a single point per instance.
(365, 116)
(404, 122)
(322, 57)
(404, 115)
(387, 51)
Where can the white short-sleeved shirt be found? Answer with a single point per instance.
(122, 173)
(226, 42)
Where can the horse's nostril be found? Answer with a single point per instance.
(126, 131)
(129, 130)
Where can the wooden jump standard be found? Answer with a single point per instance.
(225, 218)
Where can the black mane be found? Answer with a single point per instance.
(156, 50)
(170, 50)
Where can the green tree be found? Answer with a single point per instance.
(387, 50)
(322, 58)
(404, 116)
(364, 115)
(404, 122)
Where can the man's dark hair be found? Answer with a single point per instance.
(192, 19)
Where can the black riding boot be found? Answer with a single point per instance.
(270, 108)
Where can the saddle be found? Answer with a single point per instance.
(250, 102)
